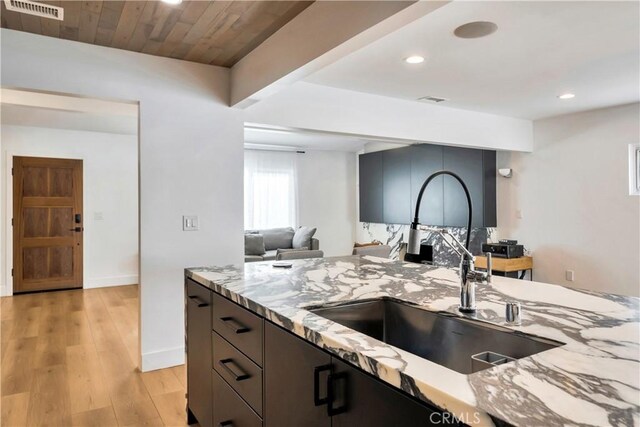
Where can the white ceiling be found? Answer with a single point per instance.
(541, 50)
(269, 138)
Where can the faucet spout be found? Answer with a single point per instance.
(468, 274)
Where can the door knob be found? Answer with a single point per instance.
(77, 229)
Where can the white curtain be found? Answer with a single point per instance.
(270, 193)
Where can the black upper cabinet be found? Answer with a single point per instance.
(371, 187)
(390, 181)
(466, 163)
(489, 165)
(396, 179)
(425, 160)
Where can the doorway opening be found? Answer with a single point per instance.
(70, 199)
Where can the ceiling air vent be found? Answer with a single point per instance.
(34, 8)
(431, 99)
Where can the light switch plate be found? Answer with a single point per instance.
(190, 223)
(569, 275)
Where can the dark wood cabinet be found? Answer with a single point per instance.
(490, 218)
(396, 179)
(467, 164)
(366, 401)
(425, 160)
(390, 182)
(239, 326)
(240, 372)
(297, 384)
(229, 408)
(198, 335)
(371, 202)
(305, 386)
(295, 378)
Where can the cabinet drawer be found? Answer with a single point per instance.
(198, 294)
(239, 371)
(229, 409)
(239, 326)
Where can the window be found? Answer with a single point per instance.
(634, 169)
(269, 189)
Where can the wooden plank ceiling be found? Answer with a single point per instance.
(209, 32)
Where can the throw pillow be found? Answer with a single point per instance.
(302, 237)
(254, 244)
(275, 238)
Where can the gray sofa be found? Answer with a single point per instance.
(274, 239)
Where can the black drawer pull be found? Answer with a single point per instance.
(317, 400)
(225, 423)
(199, 301)
(234, 325)
(332, 380)
(239, 377)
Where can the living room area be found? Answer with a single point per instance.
(315, 194)
(300, 193)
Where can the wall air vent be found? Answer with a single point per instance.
(432, 99)
(35, 8)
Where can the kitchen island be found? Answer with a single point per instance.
(591, 378)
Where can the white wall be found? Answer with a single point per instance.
(572, 192)
(110, 187)
(191, 162)
(323, 108)
(327, 198)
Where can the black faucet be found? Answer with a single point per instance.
(468, 274)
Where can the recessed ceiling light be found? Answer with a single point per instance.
(414, 59)
(566, 96)
(172, 1)
(475, 30)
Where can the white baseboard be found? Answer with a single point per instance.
(102, 282)
(162, 359)
(92, 283)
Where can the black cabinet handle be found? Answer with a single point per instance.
(199, 301)
(238, 376)
(332, 380)
(317, 400)
(225, 423)
(234, 325)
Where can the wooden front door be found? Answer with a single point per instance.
(47, 224)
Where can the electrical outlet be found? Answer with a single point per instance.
(98, 216)
(519, 213)
(190, 223)
(569, 275)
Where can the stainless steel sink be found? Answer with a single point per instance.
(442, 338)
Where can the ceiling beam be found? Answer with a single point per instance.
(323, 33)
(71, 103)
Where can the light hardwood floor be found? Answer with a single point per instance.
(69, 358)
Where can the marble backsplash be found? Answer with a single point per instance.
(395, 235)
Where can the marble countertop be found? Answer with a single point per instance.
(592, 380)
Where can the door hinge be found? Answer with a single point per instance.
(12, 222)
(12, 272)
(12, 171)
